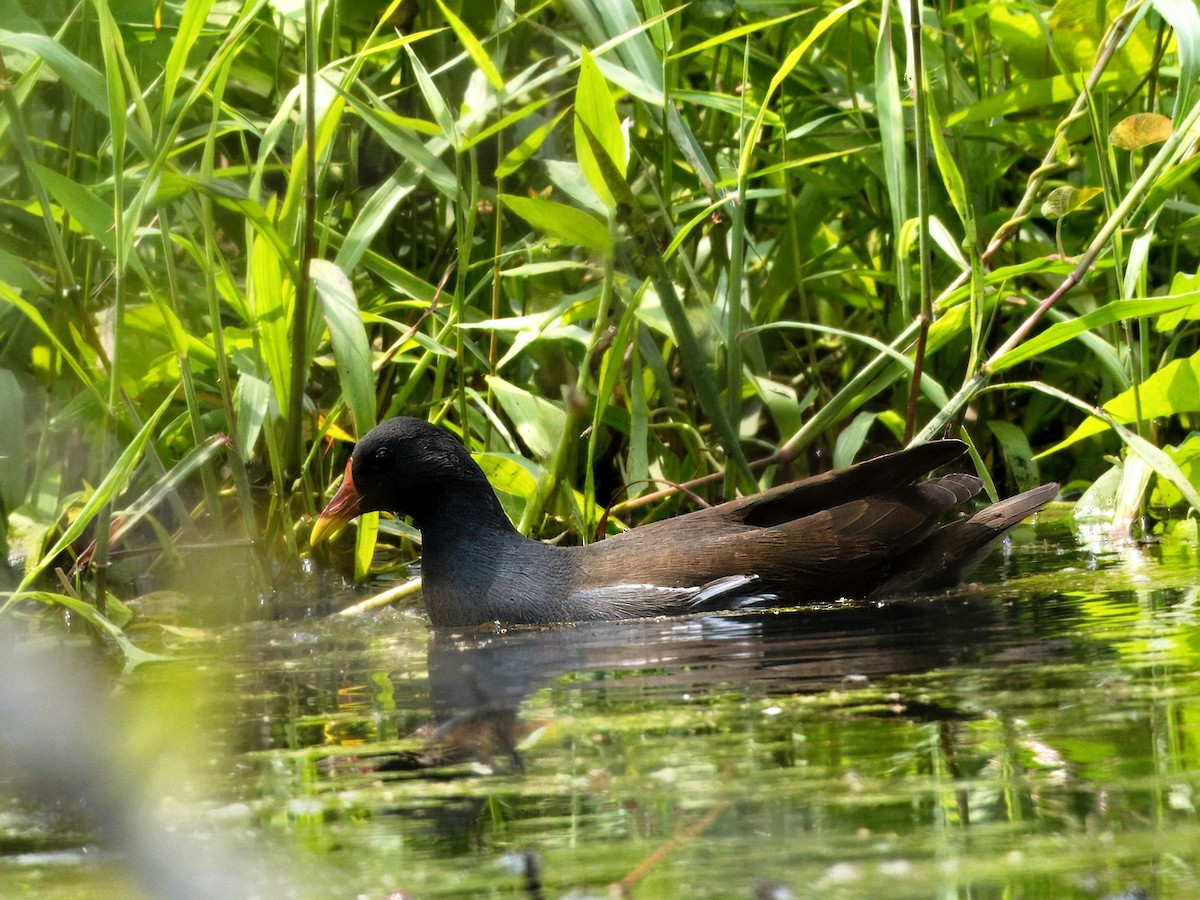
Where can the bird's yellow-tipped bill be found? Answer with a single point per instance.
(345, 505)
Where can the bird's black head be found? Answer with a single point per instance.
(407, 466)
(411, 468)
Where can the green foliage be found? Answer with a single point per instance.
(630, 245)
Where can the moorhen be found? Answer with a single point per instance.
(867, 531)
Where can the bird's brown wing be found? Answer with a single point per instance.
(843, 550)
(799, 499)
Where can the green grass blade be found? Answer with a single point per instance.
(351, 349)
(1109, 314)
(474, 49)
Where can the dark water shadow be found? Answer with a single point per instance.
(478, 681)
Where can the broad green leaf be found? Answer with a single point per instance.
(18, 273)
(1115, 499)
(364, 544)
(1184, 19)
(1074, 27)
(649, 92)
(1162, 464)
(539, 422)
(1159, 461)
(1066, 199)
(150, 342)
(95, 217)
(617, 24)
(1187, 456)
(1172, 390)
(251, 402)
(567, 176)
(781, 402)
(893, 422)
(351, 349)
(515, 479)
(1095, 506)
(1182, 283)
(13, 459)
(596, 111)
(510, 473)
(566, 223)
(271, 298)
(1107, 355)
(852, 438)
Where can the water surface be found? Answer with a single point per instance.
(1033, 735)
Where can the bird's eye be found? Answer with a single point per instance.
(383, 454)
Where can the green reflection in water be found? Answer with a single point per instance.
(1034, 738)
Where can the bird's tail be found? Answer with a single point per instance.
(951, 552)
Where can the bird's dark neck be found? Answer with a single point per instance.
(476, 567)
(468, 505)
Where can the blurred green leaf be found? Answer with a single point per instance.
(82, 78)
(106, 492)
(851, 439)
(474, 49)
(251, 403)
(1182, 285)
(520, 154)
(1140, 130)
(1066, 199)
